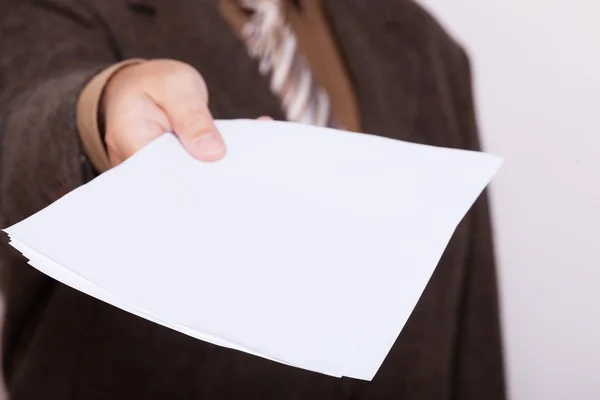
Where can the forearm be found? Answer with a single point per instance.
(49, 51)
(41, 152)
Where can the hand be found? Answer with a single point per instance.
(142, 101)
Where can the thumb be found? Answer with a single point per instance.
(186, 107)
(195, 127)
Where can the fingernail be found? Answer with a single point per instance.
(207, 137)
(208, 144)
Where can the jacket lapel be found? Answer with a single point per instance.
(243, 91)
(383, 65)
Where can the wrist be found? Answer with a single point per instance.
(111, 79)
(90, 115)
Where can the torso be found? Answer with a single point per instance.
(388, 50)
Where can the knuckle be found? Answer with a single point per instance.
(182, 72)
(192, 120)
(182, 77)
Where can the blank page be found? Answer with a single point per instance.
(306, 245)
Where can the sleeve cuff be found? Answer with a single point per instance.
(87, 116)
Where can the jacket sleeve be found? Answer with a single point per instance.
(49, 50)
(479, 354)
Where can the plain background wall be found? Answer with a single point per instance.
(537, 83)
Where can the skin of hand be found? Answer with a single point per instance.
(142, 101)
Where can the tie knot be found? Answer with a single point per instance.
(266, 29)
(268, 9)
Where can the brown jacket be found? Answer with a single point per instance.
(412, 82)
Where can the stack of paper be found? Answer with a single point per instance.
(304, 245)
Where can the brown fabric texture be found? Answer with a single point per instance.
(412, 82)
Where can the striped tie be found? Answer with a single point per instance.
(272, 42)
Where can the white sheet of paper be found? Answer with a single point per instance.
(59, 273)
(304, 245)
